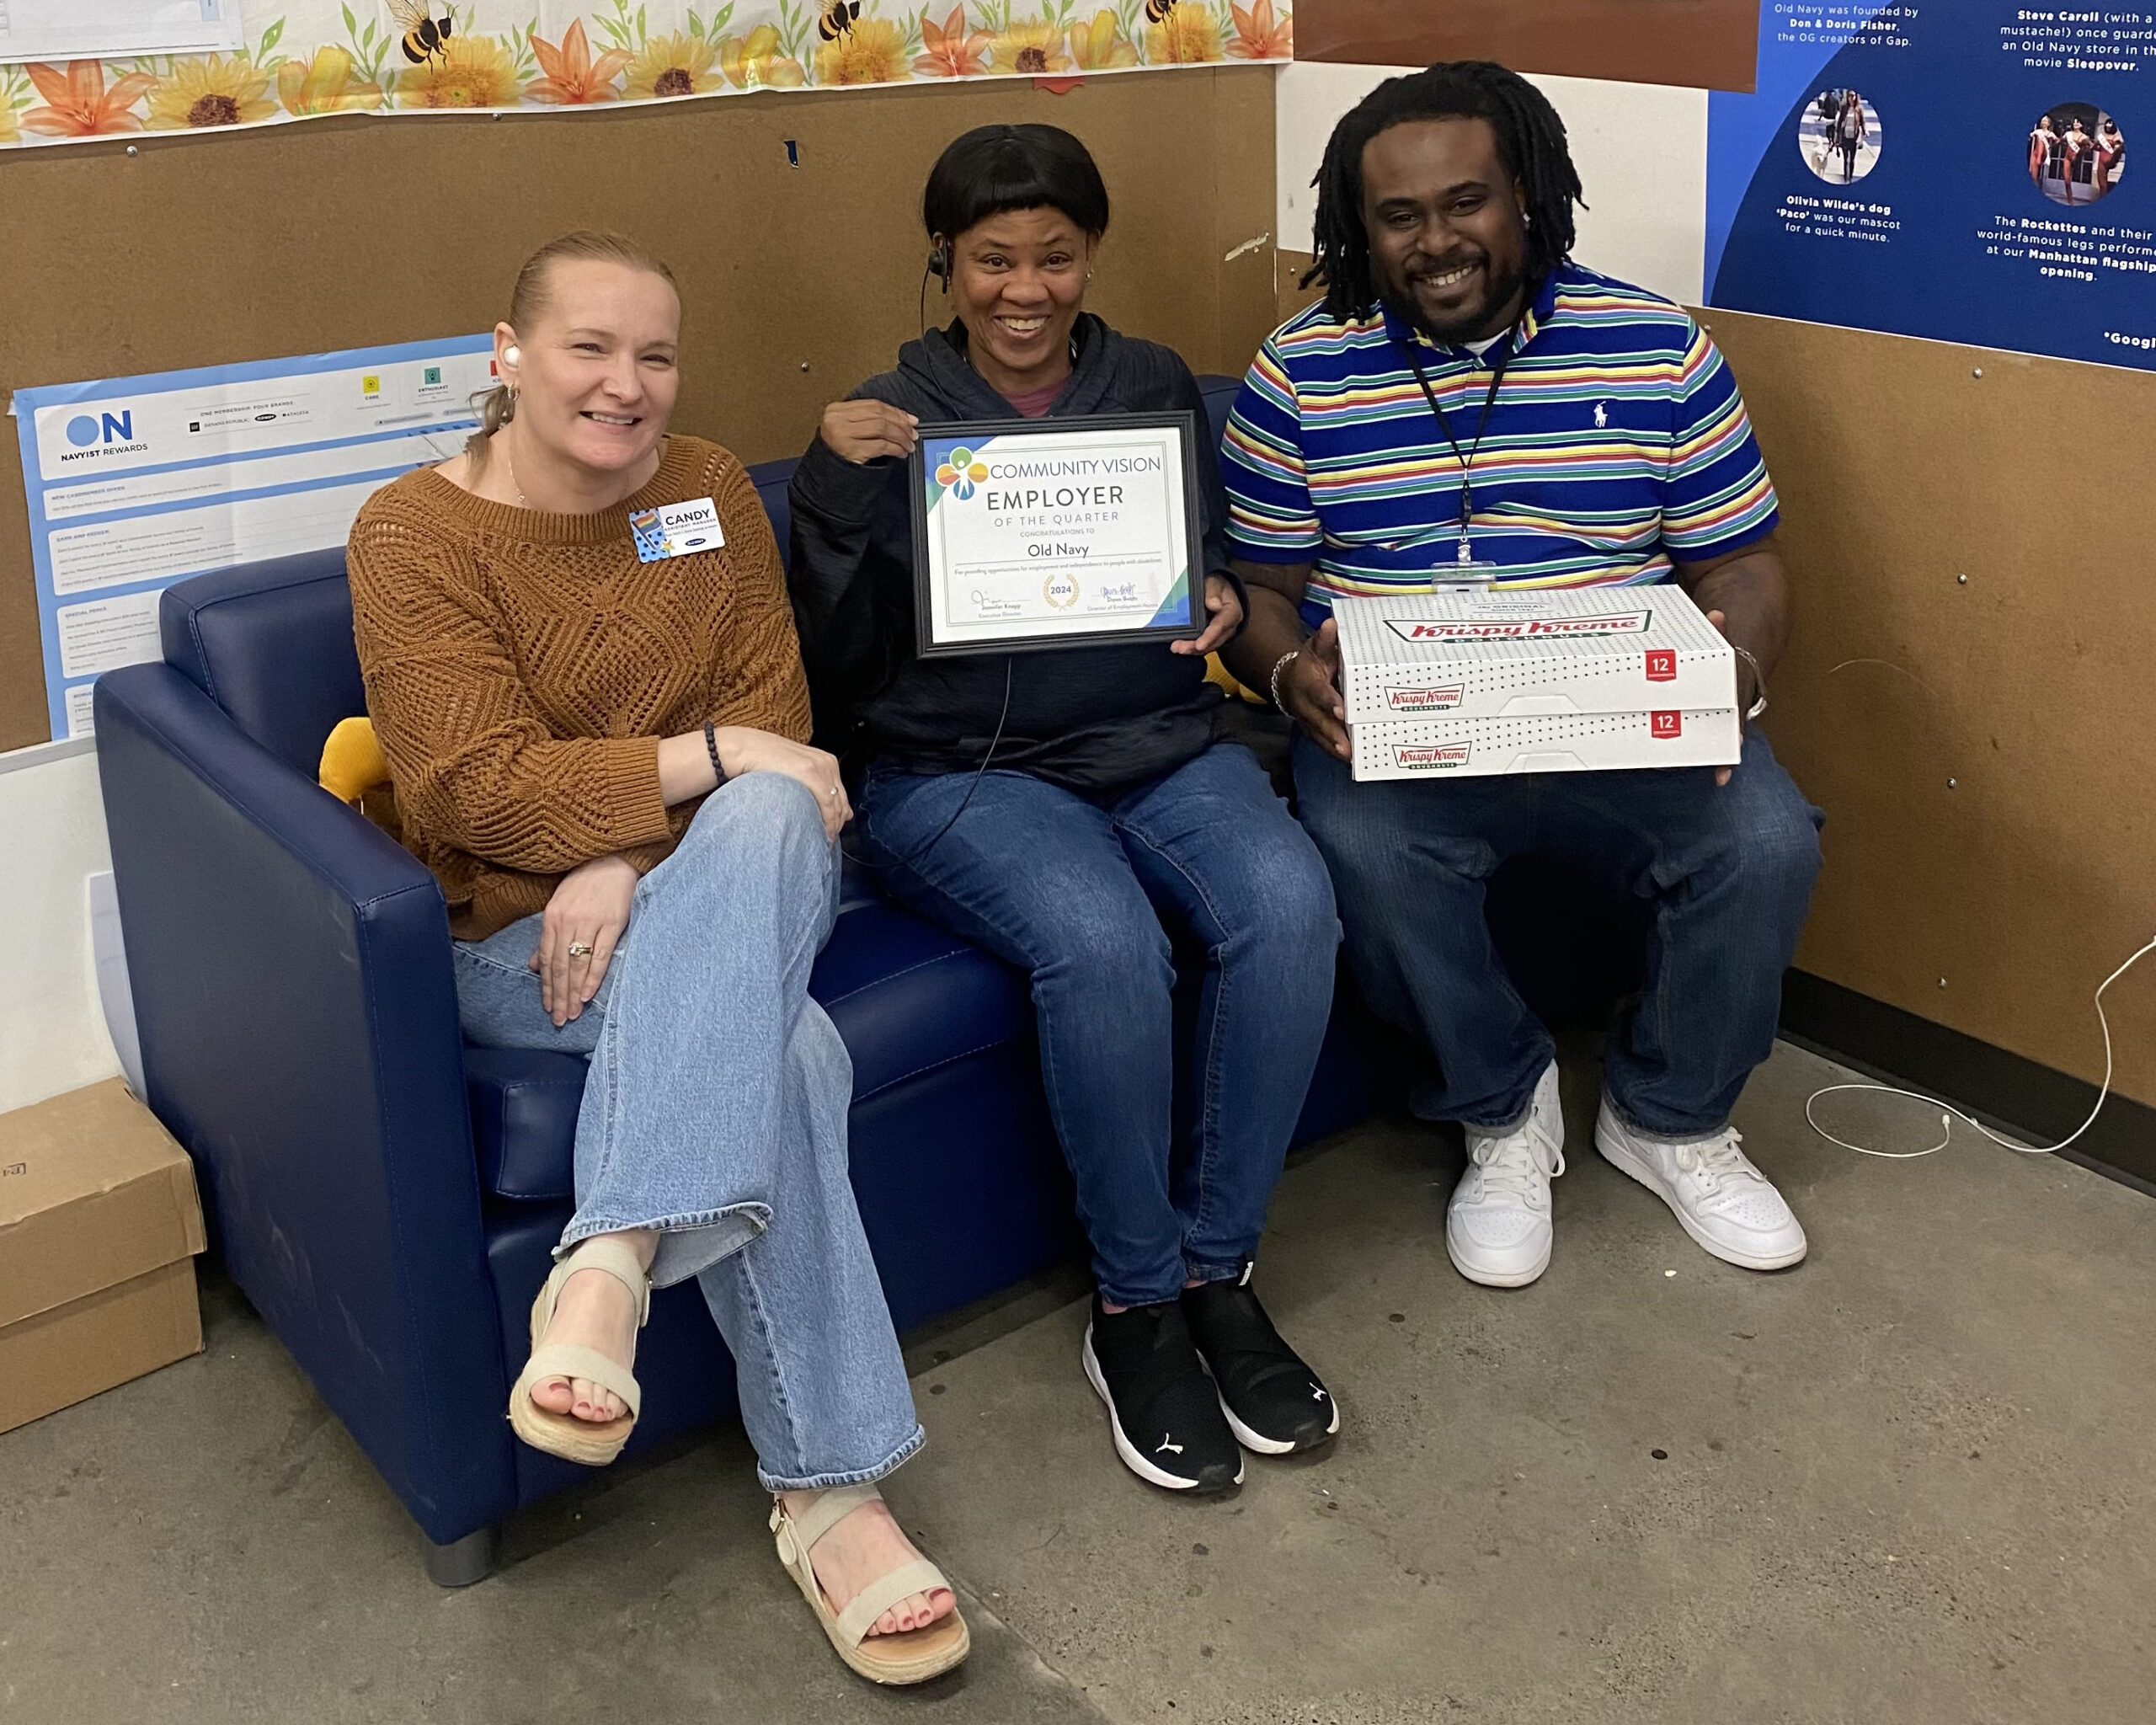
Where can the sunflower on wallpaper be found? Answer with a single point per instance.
(320, 57)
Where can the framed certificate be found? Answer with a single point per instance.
(1040, 533)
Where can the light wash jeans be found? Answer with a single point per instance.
(715, 1112)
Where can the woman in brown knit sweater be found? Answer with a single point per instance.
(598, 742)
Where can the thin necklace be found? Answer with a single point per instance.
(522, 501)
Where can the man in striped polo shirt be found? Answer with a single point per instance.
(1465, 393)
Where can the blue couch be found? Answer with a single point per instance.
(387, 1197)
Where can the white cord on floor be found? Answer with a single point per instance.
(1949, 1114)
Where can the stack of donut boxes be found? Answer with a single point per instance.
(1463, 683)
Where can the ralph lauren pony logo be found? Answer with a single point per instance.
(961, 473)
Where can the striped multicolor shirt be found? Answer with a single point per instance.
(1617, 442)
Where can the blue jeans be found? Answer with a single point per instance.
(1075, 893)
(1728, 870)
(716, 1113)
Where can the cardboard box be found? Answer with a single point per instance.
(99, 1224)
(1562, 680)
(1572, 742)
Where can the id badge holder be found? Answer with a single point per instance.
(1466, 572)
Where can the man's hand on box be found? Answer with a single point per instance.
(1744, 700)
(1309, 690)
(1745, 594)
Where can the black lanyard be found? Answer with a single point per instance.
(1465, 458)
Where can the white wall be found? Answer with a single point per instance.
(1641, 151)
(52, 838)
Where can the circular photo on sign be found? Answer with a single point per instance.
(2076, 154)
(1839, 137)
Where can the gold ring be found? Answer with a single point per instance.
(578, 949)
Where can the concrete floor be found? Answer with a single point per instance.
(1906, 1482)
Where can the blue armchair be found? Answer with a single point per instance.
(387, 1197)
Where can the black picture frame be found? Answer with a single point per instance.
(1184, 423)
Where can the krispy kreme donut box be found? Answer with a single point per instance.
(1543, 680)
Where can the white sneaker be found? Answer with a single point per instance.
(1498, 1227)
(1723, 1202)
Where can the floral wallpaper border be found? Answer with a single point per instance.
(401, 56)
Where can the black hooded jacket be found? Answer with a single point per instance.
(1093, 720)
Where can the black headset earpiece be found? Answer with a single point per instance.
(939, 266)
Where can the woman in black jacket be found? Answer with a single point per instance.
(1060, 807)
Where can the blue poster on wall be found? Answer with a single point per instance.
(1956, 170)
(137, 483)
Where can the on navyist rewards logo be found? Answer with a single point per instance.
(1425, 700)
(1429, 757)
(98, 436)
(1518, 629)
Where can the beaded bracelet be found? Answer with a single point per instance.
(711, 744)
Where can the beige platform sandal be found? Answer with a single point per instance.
(914, 1656)
(563, 1434)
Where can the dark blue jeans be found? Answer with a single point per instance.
(1076, 893)
(1728, 870)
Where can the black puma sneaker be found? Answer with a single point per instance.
(1167, 1420)
(1274, 1404)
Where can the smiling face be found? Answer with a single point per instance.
(1019, 282)
(1448, 237)
(595, 375)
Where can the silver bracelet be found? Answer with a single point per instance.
(1280, 665)
(1759, 676)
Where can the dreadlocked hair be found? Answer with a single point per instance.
(1530, 144)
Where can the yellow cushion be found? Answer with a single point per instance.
(352, 763)
(1216, 672)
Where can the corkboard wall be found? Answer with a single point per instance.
(799, 280)
(1707, 44)
(1983, 749)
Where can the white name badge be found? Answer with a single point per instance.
(676, 530)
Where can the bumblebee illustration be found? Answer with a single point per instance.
(425, 36)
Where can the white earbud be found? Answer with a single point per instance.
(512, 355)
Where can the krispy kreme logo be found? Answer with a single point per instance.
(1429, 757)
(1518, 629)
(1425, 700)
